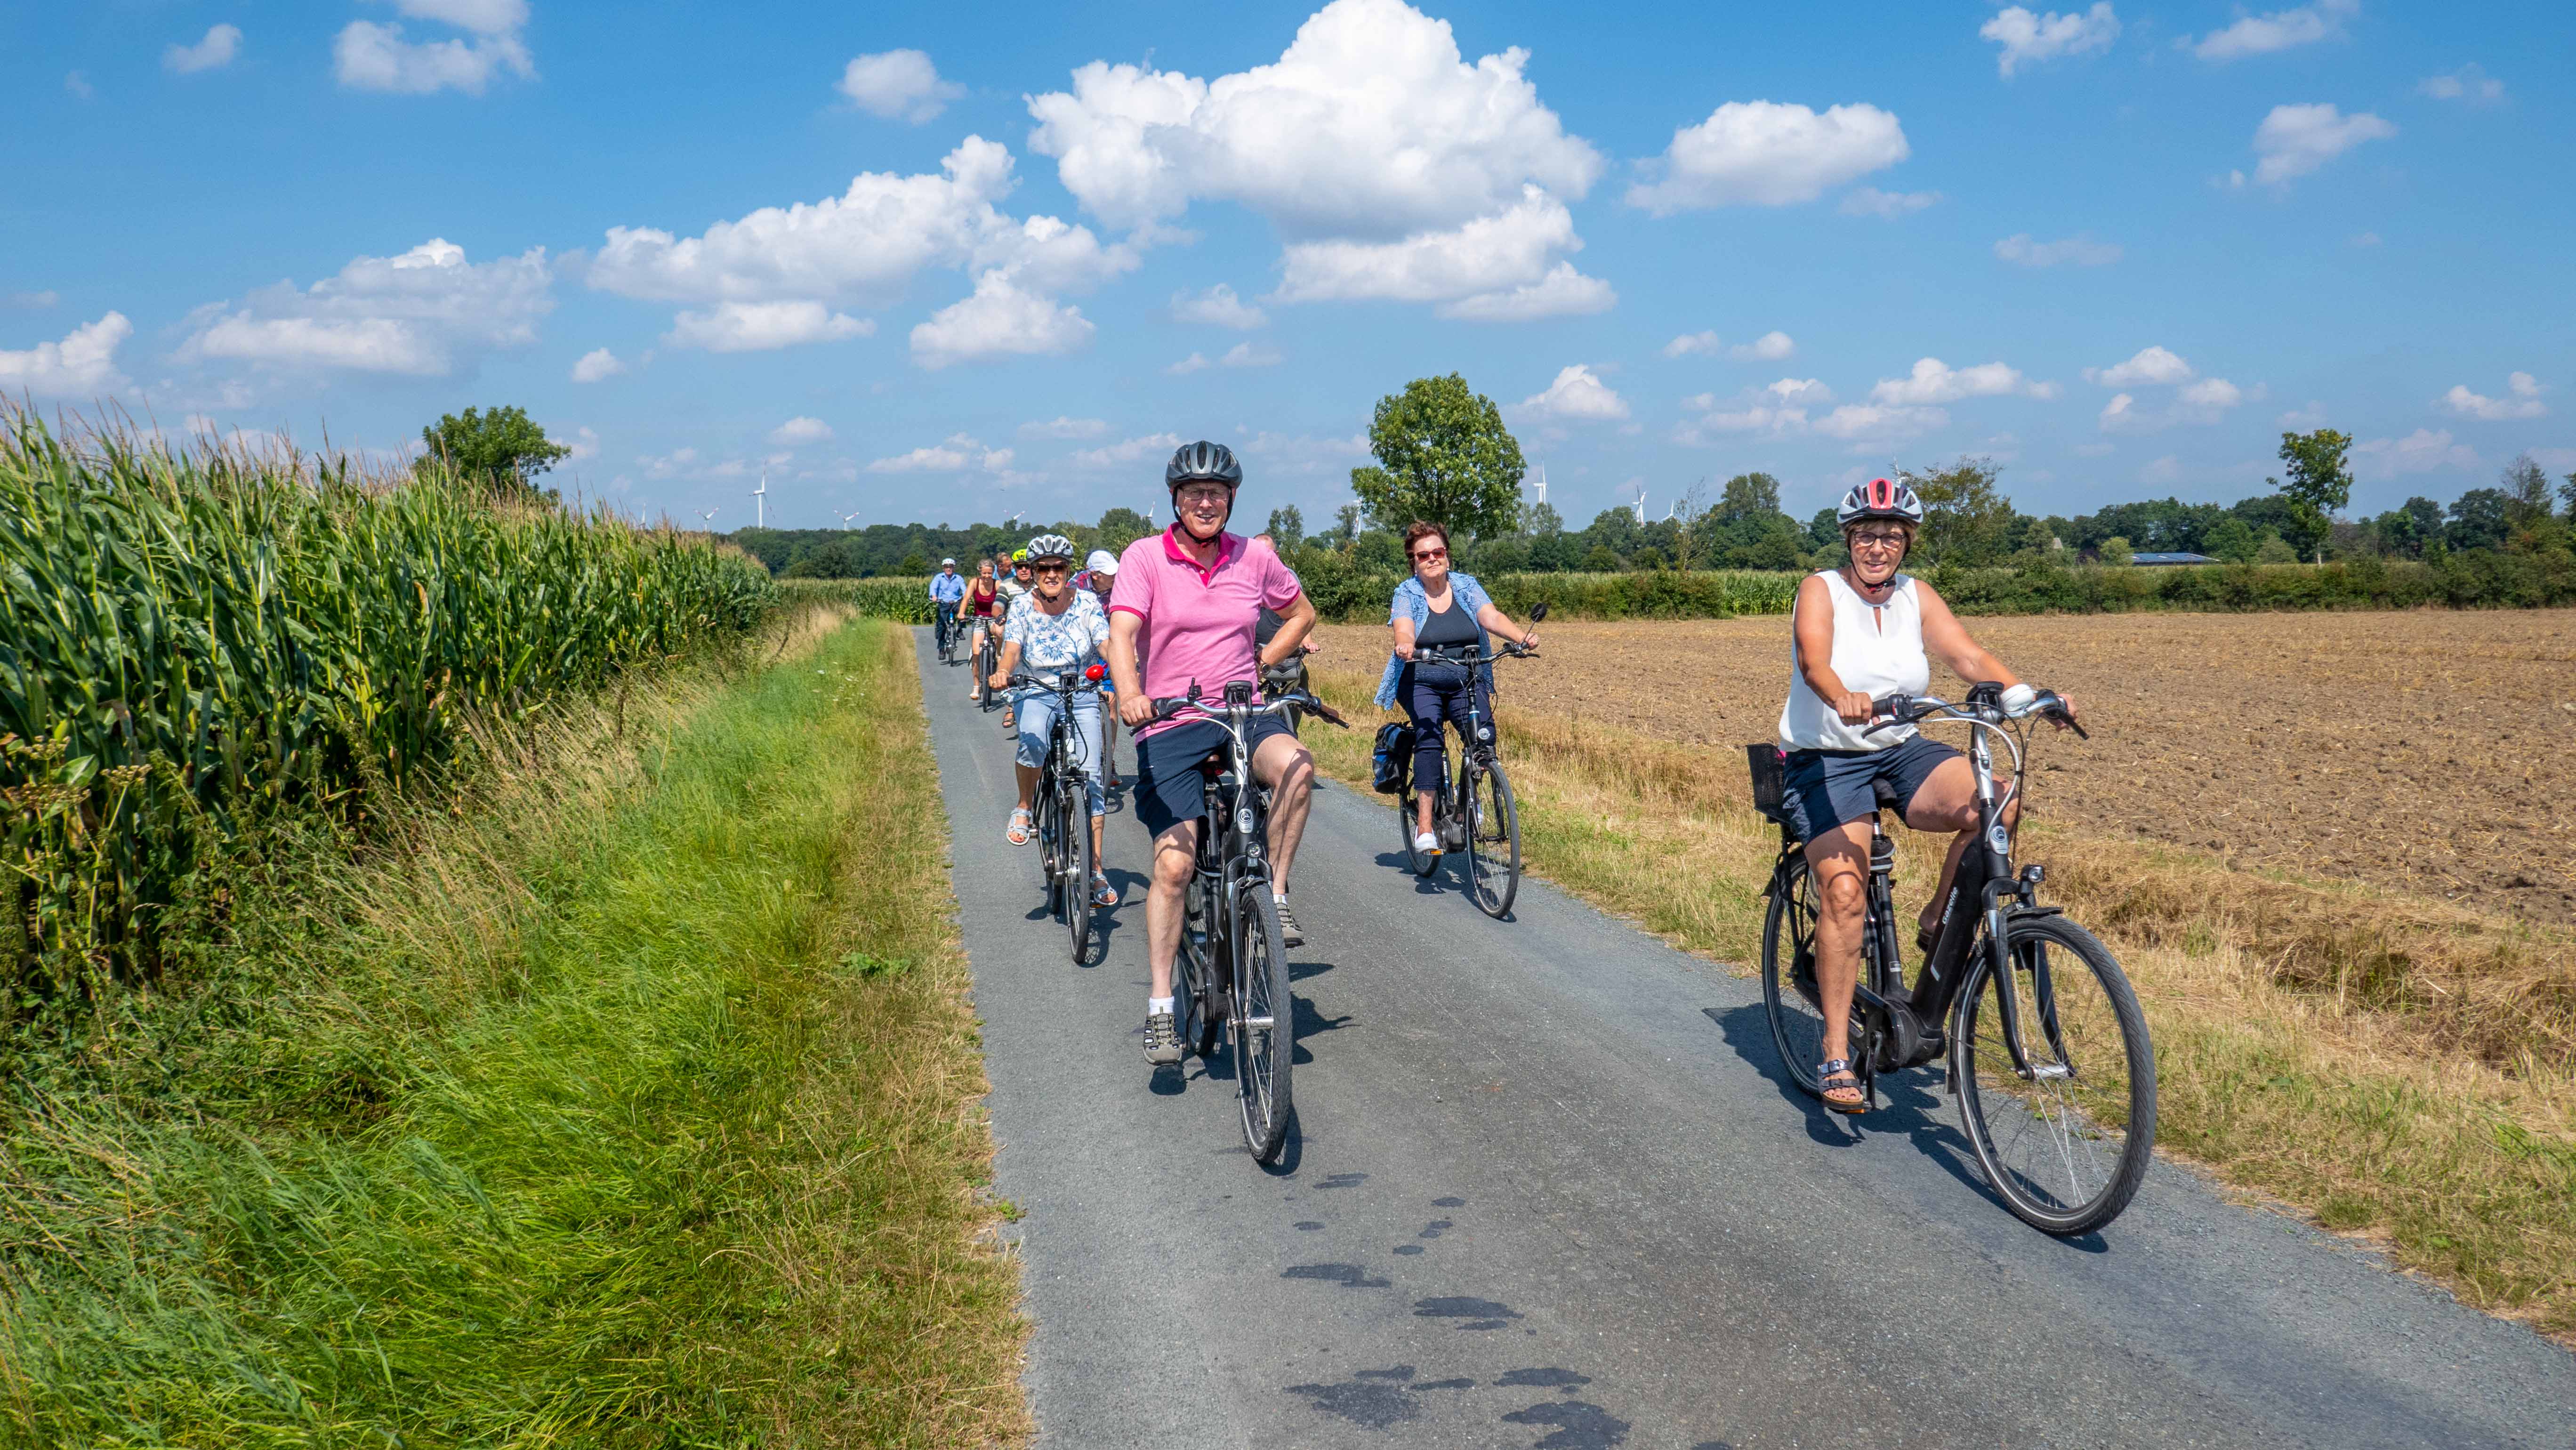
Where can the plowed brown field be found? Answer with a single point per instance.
(2429, 751)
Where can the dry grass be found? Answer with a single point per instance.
(2395, 1066)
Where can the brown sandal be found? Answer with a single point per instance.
(1826, 1072)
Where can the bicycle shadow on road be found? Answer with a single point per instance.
(1907, 1102)
(1311, 1023)
(1435, 884)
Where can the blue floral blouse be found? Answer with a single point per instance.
(1414, 603)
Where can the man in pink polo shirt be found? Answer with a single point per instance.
(1192, 597)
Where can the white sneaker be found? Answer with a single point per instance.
(1426, 844)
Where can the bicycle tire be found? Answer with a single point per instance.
(983, 673)
(1263, 1023)
(1075, 809)
(1493, 836)
(1789, 977)
(1420, 863)
(2087, 1110)
(1042, 820)
(1194, 976)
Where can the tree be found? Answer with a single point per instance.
(2482, 518)
(1287, 526)
(1542, 521)
(1346, 525)
(1120, 527)
(2319, 485)
(2117, 553)
(1966, 520)
(2526, 491)
(1599, 560)
(2231, 539)
(502, 451)
(1443, 455)
(1691, 544)
(1749, 498)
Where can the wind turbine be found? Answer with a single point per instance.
(709, 515)
(760, 501)
(845, 518)
(1641, 505)
(1542, 485)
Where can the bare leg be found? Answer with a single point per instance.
(1288, 769)
(1948, 802)
(1028, 784)
(1840, 859)
(1175, 856)
(1422, 813)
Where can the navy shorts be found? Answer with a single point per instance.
(1822, 789)
(1169, 788)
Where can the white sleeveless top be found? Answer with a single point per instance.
(1877, 651)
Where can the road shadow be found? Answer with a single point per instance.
(1308, 1024)
(1907, 1101)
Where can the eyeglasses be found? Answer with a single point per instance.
(1878, 541)
(1205, 496)
(1432, 554)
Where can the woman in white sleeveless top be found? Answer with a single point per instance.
(1860, 632)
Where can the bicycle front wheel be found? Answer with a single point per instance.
(1789, 975)
(1493, 838)
(1074, 806)
(1417, 862)
(1264, 1022)
(2056, 1078)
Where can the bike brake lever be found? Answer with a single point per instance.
(1324, 712)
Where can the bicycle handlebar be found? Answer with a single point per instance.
(1487, 657)
(1224, 714)
(1894, 710)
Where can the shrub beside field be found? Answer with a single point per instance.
(196, 643)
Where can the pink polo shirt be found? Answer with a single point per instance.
(1199, 622)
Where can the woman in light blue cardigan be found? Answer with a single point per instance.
(1437, 608)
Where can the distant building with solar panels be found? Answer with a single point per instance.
(2157, 559)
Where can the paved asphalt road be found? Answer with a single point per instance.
(1549, 1188)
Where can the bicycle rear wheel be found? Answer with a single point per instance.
(1074, 808)
(1493, 838)
(1789, 976)
(2056, 1078)
(1264, 1022)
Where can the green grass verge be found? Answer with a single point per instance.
(633, 1105)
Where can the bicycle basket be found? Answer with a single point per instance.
(1391, 758)
(1769, 772)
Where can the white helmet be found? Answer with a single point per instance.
(947, 563)
(1880, 498)
(1050, 546)
(1101, 562)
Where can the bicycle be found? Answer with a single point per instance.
(1230, 977)
(2048, 1051)
(1479, 815)
(1062, 807)
(988, 651)
(944, 620)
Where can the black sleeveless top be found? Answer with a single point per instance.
(1452, 626)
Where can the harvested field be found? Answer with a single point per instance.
(2429, 751)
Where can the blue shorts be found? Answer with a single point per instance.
(1822, 789)
(1169, 788)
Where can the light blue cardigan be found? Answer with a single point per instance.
(1413, 603)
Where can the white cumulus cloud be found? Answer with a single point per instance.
(2280, 30)
(900, 85)
(2296, 140)
(83, 364)
(1767, 153)
(2421, 451)
(2521, 400)
(221, 44)
(959, 453)
(1934, 382)
(798, 431)
(369, 56)
(425, 313)
(1002, 319)
(1577, 395)
(597, 365)
(1778, 410)
(2027, 37)
(1127, 452)
(1217, 306)
(31, 301)
(2082, 251)
(764, 326)
(2150, 365)
(2469, 83)
(1769, 347)
(1691, 342)
(1870, 201)
(1492, 268)
(1370, 123)
(1062, 426)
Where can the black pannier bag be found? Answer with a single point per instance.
(1391, 759)
(1767, 766)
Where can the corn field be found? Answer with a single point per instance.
(196, 639)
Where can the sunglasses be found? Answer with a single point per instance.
(1432, 554)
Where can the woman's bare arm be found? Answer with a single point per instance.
(1812, 622)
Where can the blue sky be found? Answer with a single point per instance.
(952, 262)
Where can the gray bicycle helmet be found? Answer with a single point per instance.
(1203, 460)
(1880, 498)
(1050, 546)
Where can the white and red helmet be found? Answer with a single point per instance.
(1880, 498)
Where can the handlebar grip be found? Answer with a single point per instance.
(1166, 708)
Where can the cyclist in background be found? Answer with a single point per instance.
(1858, 633)
(1054, 628)
(1014, 584)
(946, 589)
(983, 608)
(1098, 577)
(1438, 607)
(1191, 597)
